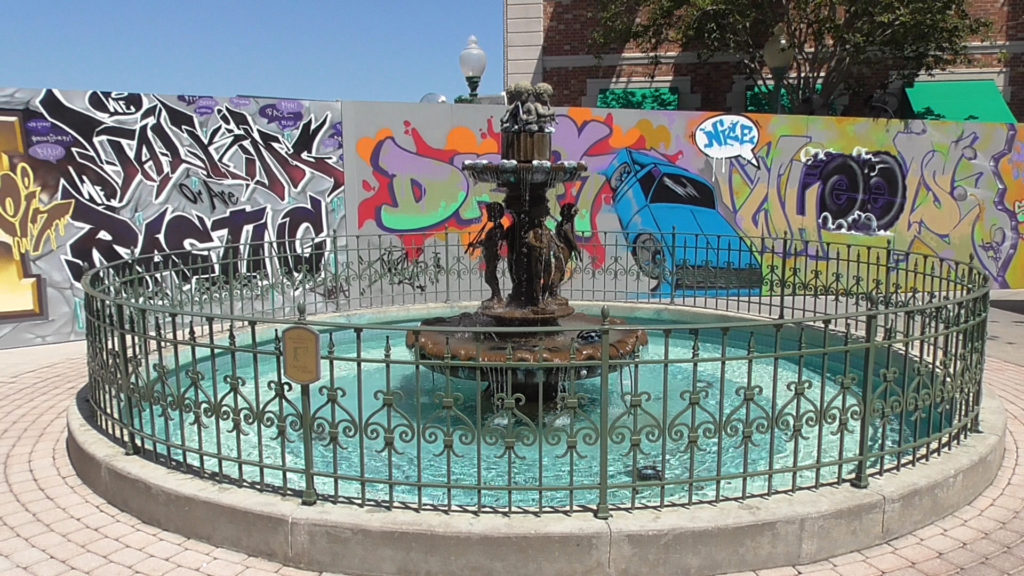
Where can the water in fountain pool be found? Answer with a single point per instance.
(684, 422)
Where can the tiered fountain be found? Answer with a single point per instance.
(538, 260)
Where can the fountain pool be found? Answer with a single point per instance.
(696, 416)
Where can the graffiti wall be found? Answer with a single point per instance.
(948, 189)
(88, 178)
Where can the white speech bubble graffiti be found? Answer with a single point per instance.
(728, 136)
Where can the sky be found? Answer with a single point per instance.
(384, 50)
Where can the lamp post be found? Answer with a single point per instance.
(473, 62)
(778, 56)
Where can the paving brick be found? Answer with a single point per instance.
(782, 571)
(286, 571)
(190, 559)
(889, 562)
(228, 555)
(815, 567)
(127, 556)
(936, 567)
(87, 561)
(163, 550)
(964, 534)
(27, 556)
(877, 550)
(857, 569)
(982, 570)
(962, 557)
(917, 553)
(153, 567)
(84, 536)
(218, 567)
(49, 567)
(941, 543)
(261, 564)
(256, 572)
(1006, 561)
(104, 546)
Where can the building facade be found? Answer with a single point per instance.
(549, 39)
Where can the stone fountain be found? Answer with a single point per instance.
(538, 261)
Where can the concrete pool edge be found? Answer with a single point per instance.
(797, 528)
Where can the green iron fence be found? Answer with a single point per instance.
(774, 365)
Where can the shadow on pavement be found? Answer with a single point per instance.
(1014, 306)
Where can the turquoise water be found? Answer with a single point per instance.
(439, 442)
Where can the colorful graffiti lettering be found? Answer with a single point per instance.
(728, 136)
(420, 189)
(171, 237)
(167, 143)
(25, 225)
(928, 195)
(862, 193)
(170, 180)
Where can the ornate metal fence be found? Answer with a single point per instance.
(774, 365)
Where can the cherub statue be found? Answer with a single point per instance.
(528, 117)
(510, 121)
(542, 94)
(540, 243)
(489, 239)
(563, 249)
(565, 232)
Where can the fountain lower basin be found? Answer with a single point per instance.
(580, 340)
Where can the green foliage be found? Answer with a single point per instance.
(761, 101)
(835, 41)
(644, 99)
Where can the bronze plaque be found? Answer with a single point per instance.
(301, 354)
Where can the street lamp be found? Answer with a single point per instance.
(778, 56)
(473, 62)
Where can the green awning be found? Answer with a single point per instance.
(961, 101)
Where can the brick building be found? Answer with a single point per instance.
(548, 40)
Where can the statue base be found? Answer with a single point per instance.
(526, 146)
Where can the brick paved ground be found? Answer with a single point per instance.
(53, 524)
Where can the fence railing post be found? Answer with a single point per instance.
(674, 274)
(309, 495)
(602, 493)
(860, 479)
(127, 410)
(782, 277)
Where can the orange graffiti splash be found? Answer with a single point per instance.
(465, 140)
(582, 115)
(365, 146)
(656, 136)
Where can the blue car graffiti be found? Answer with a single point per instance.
(671, 222)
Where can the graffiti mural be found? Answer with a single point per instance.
(95, 177)
(26, 223)
(860, 193)
(948, 189)
(410, 181)
(88, 178)
(667, 212)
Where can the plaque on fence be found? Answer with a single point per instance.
(301, 347)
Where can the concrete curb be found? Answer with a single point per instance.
(797, 528)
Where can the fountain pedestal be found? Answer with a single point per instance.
(538, 261)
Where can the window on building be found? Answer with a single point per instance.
(759, 101)
(639, 99)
